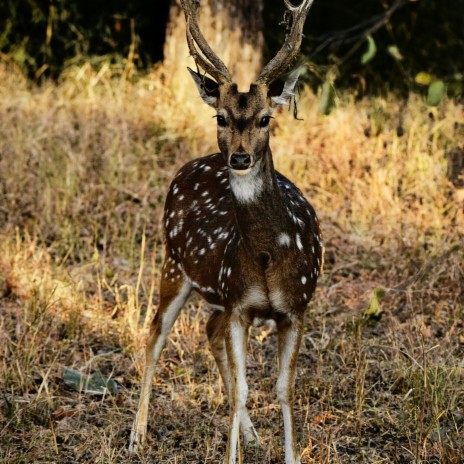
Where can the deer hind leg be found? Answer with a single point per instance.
(215, 330)
(290, 333)
(174, 291)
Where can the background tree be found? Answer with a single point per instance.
(373, 45)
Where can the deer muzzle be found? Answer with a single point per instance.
(240, 162)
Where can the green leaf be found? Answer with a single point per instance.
(74, 379)
(374, 311)
(327, 100)
(423, 78)
(394, 51)
(96, 384)
(6, 32)
(370, 52)
(435, 93)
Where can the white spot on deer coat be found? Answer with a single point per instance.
(284, 239)
(298, 242)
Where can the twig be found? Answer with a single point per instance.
(401, 287)
(52, 428)
(425, 269)
(374, 24)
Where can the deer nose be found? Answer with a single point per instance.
(240, 161)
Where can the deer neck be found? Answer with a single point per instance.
(260, 211)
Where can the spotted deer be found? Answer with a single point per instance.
(241, 235)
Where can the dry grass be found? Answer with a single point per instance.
(84, 167)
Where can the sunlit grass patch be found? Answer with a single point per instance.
(85, 164)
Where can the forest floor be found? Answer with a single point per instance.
(85, 164)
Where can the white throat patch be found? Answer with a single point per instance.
(246, 188)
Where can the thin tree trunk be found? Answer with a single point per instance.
(233, 28)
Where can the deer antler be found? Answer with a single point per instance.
(208, 60)
(294, 19)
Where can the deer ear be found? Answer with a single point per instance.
(209, 89)
(280, 92)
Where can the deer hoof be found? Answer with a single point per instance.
(250, 436)
(136, 440)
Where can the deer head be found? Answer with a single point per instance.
(243, 117)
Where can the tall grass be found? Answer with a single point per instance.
(85, 164)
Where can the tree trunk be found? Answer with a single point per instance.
(234, 30)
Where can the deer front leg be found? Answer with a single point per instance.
(172, 298)
(290, 333)
(215, 330)
(236, 339)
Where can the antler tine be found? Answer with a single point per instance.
(200, 60)
(292, 43)
(290, 6)
(210, 62)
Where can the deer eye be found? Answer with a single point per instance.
(221, 120)
(264, 121)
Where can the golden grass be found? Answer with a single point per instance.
(84, 167)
